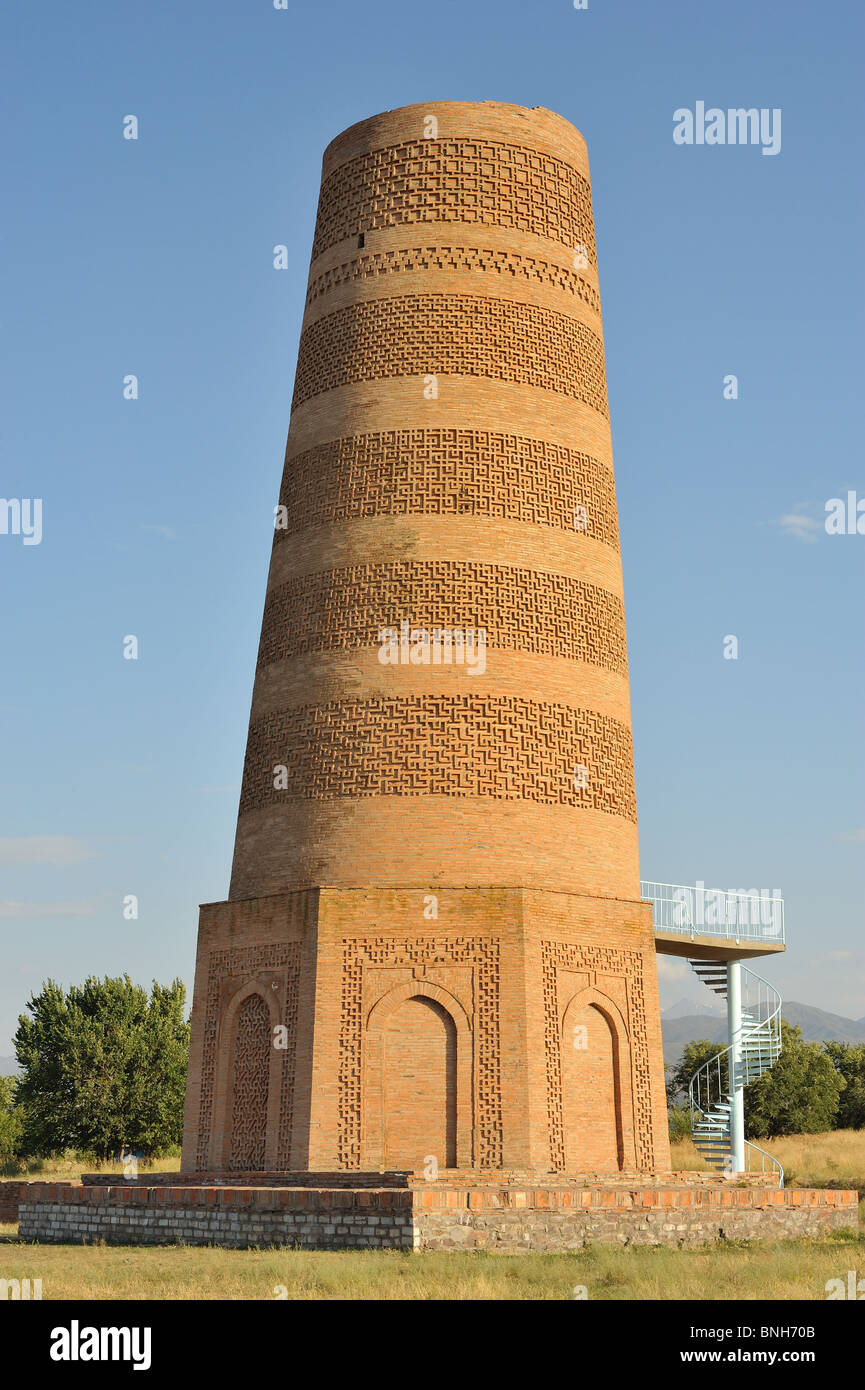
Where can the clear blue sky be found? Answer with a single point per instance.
(155, 258)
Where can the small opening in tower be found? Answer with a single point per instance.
(360, 241)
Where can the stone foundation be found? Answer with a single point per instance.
(565, 1219)
(430, 1216)
(239, 1217)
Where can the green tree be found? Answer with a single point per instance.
(695, 1055)
(798, 1095)
(848, 1060)
(10, 1121)
(103, 1067)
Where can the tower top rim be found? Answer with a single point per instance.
(537, 124)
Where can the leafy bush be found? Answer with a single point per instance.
(694, 1056)
(798, 1095)
(10, 1121)
(679, 1118)
(848, 1060)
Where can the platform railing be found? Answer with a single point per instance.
(694, 910)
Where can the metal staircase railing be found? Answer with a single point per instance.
(759, 1047)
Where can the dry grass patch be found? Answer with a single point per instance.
(833, 1159)
(796, 1269)
(70, 1169)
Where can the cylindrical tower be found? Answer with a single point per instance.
(448, 467)
(433, 953)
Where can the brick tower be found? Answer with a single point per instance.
(434, 952)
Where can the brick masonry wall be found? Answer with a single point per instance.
(10, 1196)
(465, 1178)
(430, 1217)
(470, 1177)
(506, 964)
(257, 1179)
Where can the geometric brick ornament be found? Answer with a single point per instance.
(433, 955)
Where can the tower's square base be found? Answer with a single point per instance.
(451, 1214)
(429, 1029)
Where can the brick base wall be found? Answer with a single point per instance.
(564, 1219)
(235, 1217)
(322, 1180)
(438, 1216)
(10, 1196)
(448, 1177)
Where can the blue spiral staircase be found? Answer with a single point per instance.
(717, 930)
(756, 1049)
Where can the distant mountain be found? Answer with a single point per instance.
(816, 1025)
(676, 1032)
(687, 1008)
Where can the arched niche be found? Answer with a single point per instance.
(597, 1092)
(417, 1080)
(225, 1088)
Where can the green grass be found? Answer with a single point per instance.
(797, 1269)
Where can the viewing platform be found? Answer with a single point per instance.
(715, 923)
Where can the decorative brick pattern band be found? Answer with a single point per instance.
(452, 334)
(509, 265)
(250, 1067)
(519, 609)
(448, 472)
(442, 745)
(483, 181)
